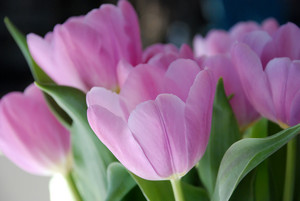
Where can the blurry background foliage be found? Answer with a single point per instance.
(175, 21)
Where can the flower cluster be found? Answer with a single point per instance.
(151, 108)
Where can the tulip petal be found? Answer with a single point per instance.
(257, 40)
(218, 42)
(132, 30)
(254, 80)
(293, 86)
(294, 112)
(123, 71)
(31, 136)
(198, 115)
(114, 133)
(106, 99)
(143, 83)
(277, 73)
(159, 128)
(223, 67)
(155, 49)
(285, 43)
(239, 30)
(270, 25)
(180, 77)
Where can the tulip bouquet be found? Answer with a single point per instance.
(161, 124)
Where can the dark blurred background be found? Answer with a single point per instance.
(175, 21)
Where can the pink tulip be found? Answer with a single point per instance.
(285, 42)
(161, 55)
(274, 91)
(84, 51)
(31, 136)
(220, 42)
(159, 125)
(221, 66)
(158, 56)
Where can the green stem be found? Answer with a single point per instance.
(73, 188)
(290, 171)
(176, 185)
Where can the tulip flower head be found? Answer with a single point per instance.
(31, 136)
(220, 42)
(274, 89)
(85, 51)
(159, 125)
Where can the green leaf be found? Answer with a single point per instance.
(297, 179)
(245, 189)
(162, 190)
(245, 155)
(224, 132)
(38, 74)
(261, 182)
(258, 130)
(120, 182)
(155, 190)
(277, 163)
(91, 157)
(192, 193)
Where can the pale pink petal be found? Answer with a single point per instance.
(114, 133)
(90, 57)
(239, 30)
(223, 67)
(158, 126)
(257, 40)
(123, 71)
(285, 43)
(254, 80)
(131, 28)
(163, 60)
(218, 42)
(144, 83)
(294, 112)
(155, 49)
(180, 77)
(270, 25)
(277, 72)
(293, 86)
(31, 136)
(106, 99)
(287, 40)
(198, 114)
(199, 45)
(186, 52)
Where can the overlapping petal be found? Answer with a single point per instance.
(85, 51)
(31, 136)
(167, 131)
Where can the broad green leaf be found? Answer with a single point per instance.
(224, 132)
(255, 185)
(276, 168)
(243, 156)
(245, 189)
(38, 74)
(120, 182)
(91, 157)
(155, 190)
(261, 183)
(162, 190)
